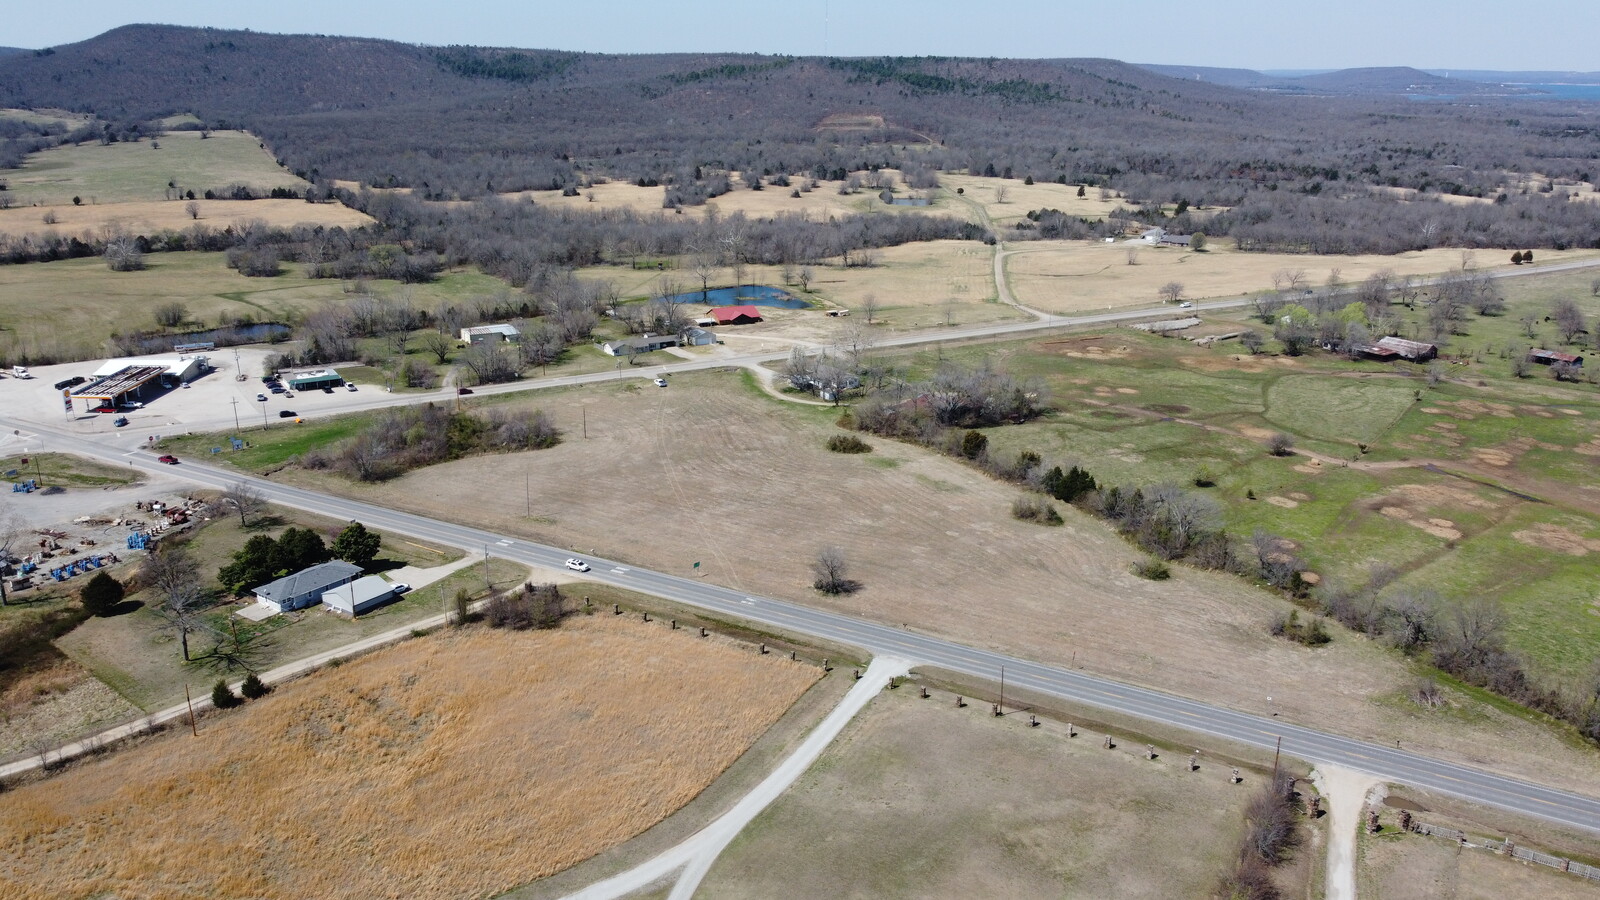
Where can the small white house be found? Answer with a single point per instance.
(358, 596)
(695, 336)
(479, 334)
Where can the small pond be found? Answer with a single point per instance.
(744, 295)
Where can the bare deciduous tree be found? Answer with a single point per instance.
(832, 574)
(438, 343)
(869, 306)
(1569, 320)
(12, 529)
(176, 579)
(192, 208)
(243, 497)
(1171, 292)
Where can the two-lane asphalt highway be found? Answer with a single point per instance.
(1388, 763)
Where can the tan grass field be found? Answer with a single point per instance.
(151, 217)
(713, 471)
(1066, 277)
(1021, 198)
(919, 799)
(138, 171)
(460, 765)
(46, 116)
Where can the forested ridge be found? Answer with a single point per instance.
(1305, 173)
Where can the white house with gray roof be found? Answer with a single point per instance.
(306, 587)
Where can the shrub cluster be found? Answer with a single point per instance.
(848, 443)
(1035, 509)
(411, 437)
(534, 606)
(1311, 633)
(263, 559)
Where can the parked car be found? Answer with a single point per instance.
(286, 414)
(169, 459)
(463, 390)
(349, 387)
(327, 390)
(400, 587)
(577, 565)
(660, 382)
(278, 389)
(261, 398)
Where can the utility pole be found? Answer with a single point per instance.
(487, 584)
(1002, 690)
(235, 402)
(189, 701)
(527, 493)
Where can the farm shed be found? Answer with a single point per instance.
(358, 596)
(479, 334)
(305, 587)
(736, 315)
(310, 381)
(695, 336)
(1175, 240)
(1416, 351)
(1554, 357)
(645, 343)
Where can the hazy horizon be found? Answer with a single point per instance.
(1471, 35)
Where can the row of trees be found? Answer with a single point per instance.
(263, 559)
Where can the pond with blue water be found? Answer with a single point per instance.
(744, 295)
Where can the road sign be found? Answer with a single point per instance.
(696, 565)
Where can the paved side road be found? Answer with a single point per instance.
(1309, 744)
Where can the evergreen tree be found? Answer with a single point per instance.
(101, 594)
(223, 697)
(253, 687)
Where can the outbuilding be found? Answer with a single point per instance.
(736, 315)
(1554, 358)
(306, 587)
(479, 334)
(695, 336)
(358, 596)
(1415, 351)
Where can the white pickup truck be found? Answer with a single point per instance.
(20, 372)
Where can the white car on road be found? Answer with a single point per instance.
(577, 565)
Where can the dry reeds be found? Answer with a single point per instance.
(460, 765)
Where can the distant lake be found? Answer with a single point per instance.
(744, 295)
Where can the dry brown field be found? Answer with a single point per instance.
(153, 216)
(1074, 276)
(459, 765)
(919, 799)
(714, 471)
(54, 704)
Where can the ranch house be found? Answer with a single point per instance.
(306, 587)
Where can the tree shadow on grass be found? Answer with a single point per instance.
(123, 608)
(266, 522)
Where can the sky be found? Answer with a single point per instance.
(1253, 34)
